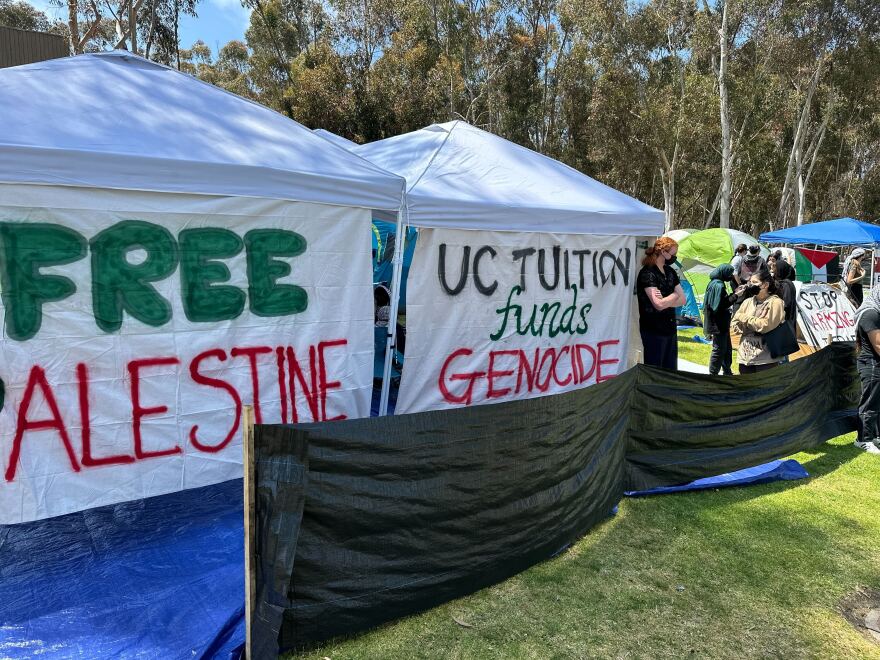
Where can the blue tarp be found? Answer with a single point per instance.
(380, 343)
(691, 308)
(842, 231)
(156, 578)
(383, 247)
(788, 470)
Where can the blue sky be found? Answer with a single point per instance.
(219, 21)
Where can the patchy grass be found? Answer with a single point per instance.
(762, 571)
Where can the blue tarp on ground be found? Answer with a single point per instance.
(788, 470)
(842, 231)
(156, 578)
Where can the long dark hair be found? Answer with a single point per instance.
(765, 276)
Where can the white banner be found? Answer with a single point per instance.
(824, 310)
(496, 316)
(137, 325)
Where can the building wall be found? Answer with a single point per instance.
(23, 46)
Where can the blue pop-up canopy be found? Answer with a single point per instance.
(842, 231)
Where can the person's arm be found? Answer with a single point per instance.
(682, 299)
(855, 273)
(874, 338)
(660, 302)
(771, 316)
(736, 323)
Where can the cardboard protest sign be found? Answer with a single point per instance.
(824, 310)
(497, 316)
(137, 325)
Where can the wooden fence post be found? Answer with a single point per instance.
(250, 582)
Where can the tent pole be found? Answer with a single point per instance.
(397, 270)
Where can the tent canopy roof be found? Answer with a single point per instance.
(116, 120)
(842, 231)
(338, 140)
(462, 177)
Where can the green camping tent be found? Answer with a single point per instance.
(701, 251)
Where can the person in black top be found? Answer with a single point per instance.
(659, 292)
(784, 274)
(852, 274)
(868, 343)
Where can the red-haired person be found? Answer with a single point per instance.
(659, 291)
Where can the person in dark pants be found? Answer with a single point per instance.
(716, 319)
(868, 362)
(659, 292)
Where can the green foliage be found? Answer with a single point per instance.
(21, 15)
(625, 91)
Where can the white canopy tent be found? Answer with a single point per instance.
(115, 120)
(338, 140)
(461, 177)
(111, 147)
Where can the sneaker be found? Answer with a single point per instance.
(869, 447)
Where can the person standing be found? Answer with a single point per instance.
(659, 293)
(716, 319)
(738, 255)
(751, 263)
(868, 363)
(761, 312)
(783, 274)
(852, 274)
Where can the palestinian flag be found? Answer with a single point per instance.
(816, 265)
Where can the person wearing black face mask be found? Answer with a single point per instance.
(761, 312)
(659, 292)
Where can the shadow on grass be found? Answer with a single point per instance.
(824, 460)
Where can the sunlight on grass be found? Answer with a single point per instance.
(731, 573)
(696, 352)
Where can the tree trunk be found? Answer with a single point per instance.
(812, 154)
(726, 161)
(148, 49)
(132, 25)
(801, 189)
(668, 179)
(73, 26)
(177, 32)
(794, 169)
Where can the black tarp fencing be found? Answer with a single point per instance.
(365, 521)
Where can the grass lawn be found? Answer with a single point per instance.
(696, 352)
(741, 572)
